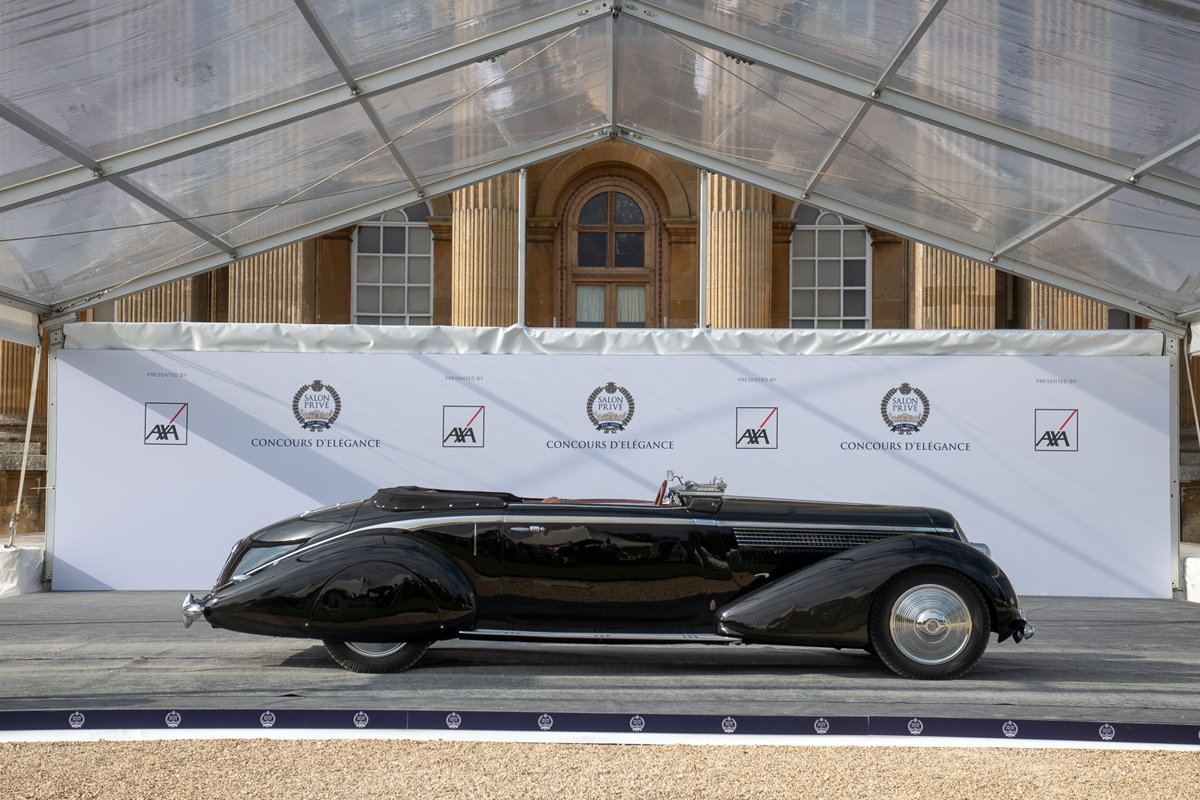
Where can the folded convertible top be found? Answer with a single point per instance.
(416, 498)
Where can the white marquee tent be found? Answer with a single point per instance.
(146, 140)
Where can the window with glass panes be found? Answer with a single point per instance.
(393, 269)
(831, 271)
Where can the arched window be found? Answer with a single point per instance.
(831, 271)
(393, 269)
(610, 250)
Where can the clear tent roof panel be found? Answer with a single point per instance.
(124, 240)
(365, 30)
(114, 75)
(1141, 243)
(24, 158)
(316, 165)
(853, 37)
(948, 182)
(696, 96)
(982, 126)
(1119, 76)
(552, 88)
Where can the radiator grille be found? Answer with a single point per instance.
(804, 540)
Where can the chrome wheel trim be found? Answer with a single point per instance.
(375, 649)
(930, 624)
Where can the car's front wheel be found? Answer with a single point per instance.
(376, 657)
(929, 623)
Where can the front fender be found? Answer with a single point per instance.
(382, 586)
(828, 604)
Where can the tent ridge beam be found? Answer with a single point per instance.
(337, 221)
(905, 50)
(303, 108)
(830, 79)
(1006, 263)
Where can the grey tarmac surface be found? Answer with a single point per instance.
(1092, 659)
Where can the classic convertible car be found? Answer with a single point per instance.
(379, 580)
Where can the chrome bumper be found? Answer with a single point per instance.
(1021, 629)
(192, 610)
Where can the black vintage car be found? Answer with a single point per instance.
(379, 580)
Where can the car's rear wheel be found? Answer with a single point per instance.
(929, 623)
(377, 656)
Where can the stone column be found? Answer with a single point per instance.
(739, 254)
(484, 259)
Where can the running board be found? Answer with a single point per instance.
(598, 638)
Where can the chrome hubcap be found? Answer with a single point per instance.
(375, 649)
(930, 624)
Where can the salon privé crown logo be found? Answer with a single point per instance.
(316, 406)
(905, 409)
(610, 408)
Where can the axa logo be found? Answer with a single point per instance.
(462, 426)
(166, 423)
(757, 428)
(1056, 429)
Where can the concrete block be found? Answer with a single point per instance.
(1190, 566)
(21, 570)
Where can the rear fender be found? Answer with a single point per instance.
(828, 604)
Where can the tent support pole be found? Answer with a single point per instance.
(16, 515)
(702, 316)
(1171, 347)
(521, 212)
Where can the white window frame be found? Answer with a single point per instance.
(390, 220)
(793, 257)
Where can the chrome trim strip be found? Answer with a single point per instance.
(678, 638)
(829, 526)
(402, 524)
(584, 519)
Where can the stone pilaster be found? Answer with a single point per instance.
(484, 260)
(739, 254)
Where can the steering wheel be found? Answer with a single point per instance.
(662, 492)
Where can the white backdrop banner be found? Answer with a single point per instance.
(1061, 464)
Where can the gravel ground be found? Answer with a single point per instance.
(397, 769)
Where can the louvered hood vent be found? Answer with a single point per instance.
(782, 539)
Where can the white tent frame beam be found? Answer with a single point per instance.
(48, 136)
(340, 220)
(902, 54)
(703, 160)
(1164, 156)
(335, 55)
(305, 107)
(1070, 158)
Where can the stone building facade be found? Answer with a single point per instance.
(612, 240)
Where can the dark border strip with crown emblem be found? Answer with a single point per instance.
(463, 723)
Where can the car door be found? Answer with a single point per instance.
(601, 568)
